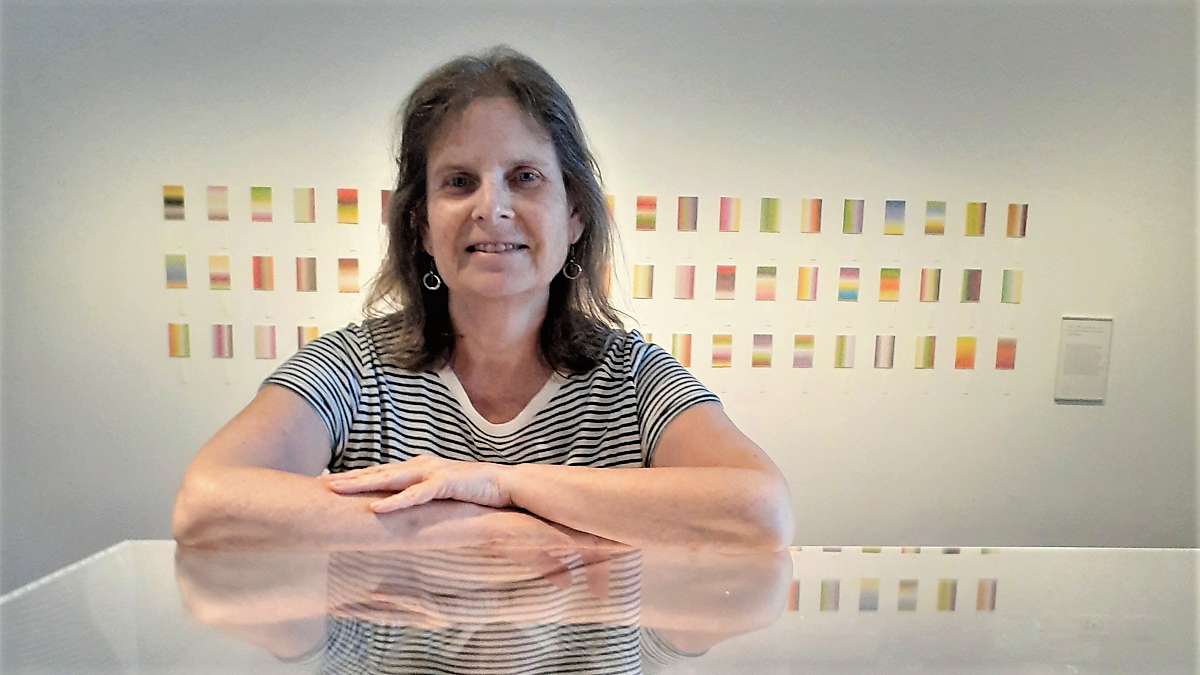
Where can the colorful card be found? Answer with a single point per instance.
(643, 282)
(222, 341)
(304, 205)
(218, 202)
(964, 353)
(885, 351)
(985, 596)
(1010, 290)
(926, 348)
(831, 595)
(685, 282)
(976, 212)
(893, 217)
(179, 343)
(264, 273)
(722, 351)
(760, 356)
(726, 279)
(843, 351)
(972, 282)
(173, 202)
(935, 218)
(764, 283)
(688, 207)
(868, 595)
(769, 215)
(306, 275)
(810, 216)
(260, 204)
(347, 206)
(848, 284)
(347, 275)
(264, 342)
(906, 597)
(647, 207)
(852, 216)
(218, 272)
(802, 354)
(1017, 215)
(681, 348)
(889, 284)
(176, 270)
(931, 284)
(806, 284)
(947, 592)
(1006, 353)
(731, 214)
(305, 335)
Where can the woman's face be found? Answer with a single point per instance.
(499, 220)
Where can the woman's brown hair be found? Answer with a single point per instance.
(579, 318)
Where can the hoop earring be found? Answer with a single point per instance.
(572, 269)
(431, 281)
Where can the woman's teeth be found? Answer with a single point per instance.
(493, 248)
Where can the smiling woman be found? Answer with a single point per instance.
(491, 396)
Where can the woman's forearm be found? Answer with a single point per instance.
(671, 506)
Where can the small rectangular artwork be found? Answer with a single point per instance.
(769, 215)
(810, 216)
(806, 284)
(222, 341)
(760, 355)
(1006, 353)
(1017, 215)
(926, 348)
(802, 354)
(848, 284)
(893, 217)
(260, 204)
(218, 272)
(1010, 289)
(722, 351)
(305, 335)
(731, 214)
(971, 284)
(868, 595)
(646, 211)
(793, 596)
(852, 217)
(831, 594)
(264, 342)
(906, 597)
(685, 282)
(885, 351)
(385, 206)
(985, 596)
(173, 202)
(686, 221)
(218, 202)
(947, 595)
(935, 218)
(643, 282)
(681, 348)
(347, 275)
(263, 268)
(179, 343)
(347, 206)
(764, 283)
(964, 353)
(843, 352)
(931, 284)
(976, 218)
(176, 270)
(726, 281)
(304, 205)
(889, 284)
(306, 275)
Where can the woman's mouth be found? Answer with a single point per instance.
(494, 248)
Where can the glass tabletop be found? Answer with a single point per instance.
(150, 607)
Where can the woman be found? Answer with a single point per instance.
(497, 401)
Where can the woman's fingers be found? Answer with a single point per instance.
(417, 494)
(395, 478)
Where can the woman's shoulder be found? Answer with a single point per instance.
(626, 349)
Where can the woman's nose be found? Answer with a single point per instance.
(493, 201)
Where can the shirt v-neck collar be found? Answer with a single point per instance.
(535, 405)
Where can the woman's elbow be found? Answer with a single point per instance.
(773, 515)
(189, 518)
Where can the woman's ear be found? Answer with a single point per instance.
(575, 226)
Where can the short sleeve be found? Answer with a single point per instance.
(664, 389)
(328, 373)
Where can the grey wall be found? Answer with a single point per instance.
(1085, 111)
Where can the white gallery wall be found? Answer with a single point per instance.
(1084, 111)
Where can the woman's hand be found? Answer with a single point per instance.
(424, 478)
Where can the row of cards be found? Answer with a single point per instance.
(262, 273)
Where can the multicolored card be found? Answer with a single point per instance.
(852, 216)
(931, 284)
(906, 597)
(304, 205)
(1006, 353)
(347, 275)
(722, 351)
(222, 341)
(810, 216)
(964, 353)
(263, 267)
(643, 282)
(803, 350)
(685, 282)
(760, 356)
(347, 206)
(985, 596)
(885, 351)
(806, 284)
(889, 284)
(764, 283)
(769, 215)
(843, 351)
(260, 204)
(264, 342)
(218, 272)
(848, 284)
(926, 348)
(1017, 215)
(176, 270)
(1010, 290)
(681, 348)
(688, 207)
(893, 217)
(305, 335)
(726, 280)
(972, 282)
(731, 214)
(647, 206)
(868, 595)
(218, 202)
(306, 275)
(976, 212)
(173, 202)
(179, 343)
(831, 595)
(935, 218)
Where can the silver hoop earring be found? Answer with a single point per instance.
(431, 281)
(572, 269)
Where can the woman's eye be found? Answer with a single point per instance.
(527, 176)
(457, 181)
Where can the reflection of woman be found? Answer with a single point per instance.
(495, 401)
